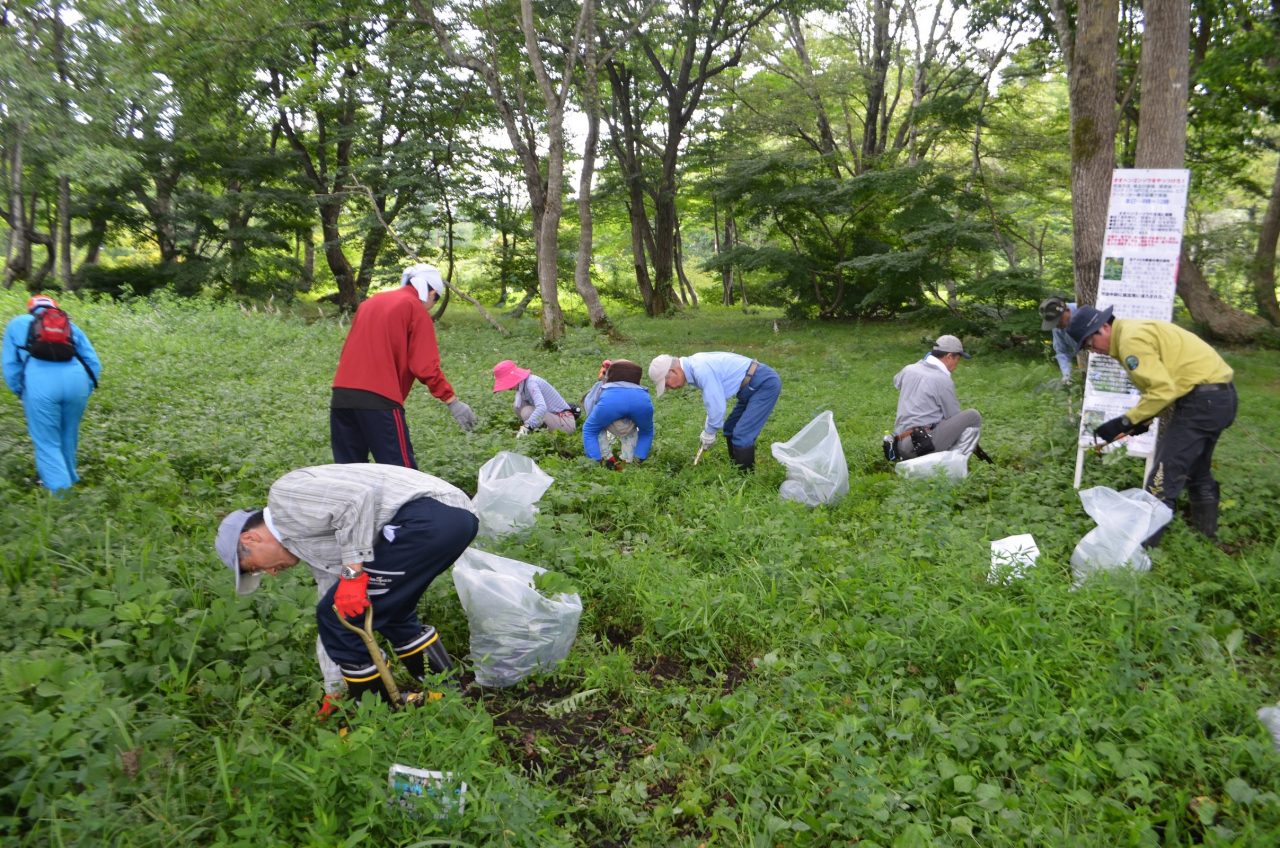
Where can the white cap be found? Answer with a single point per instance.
(659, 366)
(425, 278)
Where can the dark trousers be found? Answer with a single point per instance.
(1184, 454)
(356, 433)
(428, 537)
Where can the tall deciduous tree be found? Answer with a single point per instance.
(504, 75)
(689, 43)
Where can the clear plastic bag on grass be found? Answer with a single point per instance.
(814, 458)
(515, 629)
(1125, 519)
(1012, 558)
(953, 464)
(509, 486)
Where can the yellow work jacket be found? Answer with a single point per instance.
(1164, 361)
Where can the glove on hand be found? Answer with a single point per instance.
(707, 439)
(523, 431)
(1111, 430)
(1139, 429)
(352, 595)
(462, 414)
(614, 464)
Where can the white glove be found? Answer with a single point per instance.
(462, 414)
(707, 439)
(523, 431)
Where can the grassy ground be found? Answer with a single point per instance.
(747, 671)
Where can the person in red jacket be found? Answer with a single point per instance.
(392, 343)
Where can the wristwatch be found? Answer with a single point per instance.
(349, 573)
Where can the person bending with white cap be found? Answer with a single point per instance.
(720, 376)
(392, 343)
(370, 533)
(929, 417)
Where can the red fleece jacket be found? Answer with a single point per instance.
(392, 342)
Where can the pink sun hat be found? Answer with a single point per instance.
(507, 375)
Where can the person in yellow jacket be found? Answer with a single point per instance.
(1169, 365)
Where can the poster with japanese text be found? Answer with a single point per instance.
(1138, 279)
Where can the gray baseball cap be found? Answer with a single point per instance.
(228, 545)
(950, 344)
(1051, 309)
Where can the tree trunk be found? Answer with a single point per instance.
(17, 262)
(1092, 93)
(348, 293)
(1162, 143)
(591, 96)
(1263, 271)
(95, 238)
(308, 259)
(721, 245)
(1219, 318)
(686, 287)
(64, 234)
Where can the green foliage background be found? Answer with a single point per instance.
(747, 672)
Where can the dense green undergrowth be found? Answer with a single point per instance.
(748, 671)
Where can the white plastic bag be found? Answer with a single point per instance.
(1012, 557)
(814, 458)
(953, 464)
(509, 486)
(1125, 519)
(515, 630)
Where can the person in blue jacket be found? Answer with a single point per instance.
(54, 393)
(620, 406)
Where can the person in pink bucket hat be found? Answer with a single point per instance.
(537, 403)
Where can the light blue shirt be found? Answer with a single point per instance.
(718, 376)
(16, 358)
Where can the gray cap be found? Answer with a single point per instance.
(1051, 309)
(228, 545)
(950, 344)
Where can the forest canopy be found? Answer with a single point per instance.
(837, 160)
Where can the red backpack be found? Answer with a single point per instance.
(49, 335)
(49, 338)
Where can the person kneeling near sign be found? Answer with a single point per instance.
(369, 532)
(929, 417)
(1168, 365)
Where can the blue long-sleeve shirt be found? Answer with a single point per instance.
(618, 401)
(718, 376)
(15, 358)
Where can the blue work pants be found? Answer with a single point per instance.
(54, 398)
(755, 401)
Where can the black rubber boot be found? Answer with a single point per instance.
(728, 443)
(432, 654)
(1204, 517)
(744, 457)
(356, 689)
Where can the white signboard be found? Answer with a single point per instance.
(1138, 278)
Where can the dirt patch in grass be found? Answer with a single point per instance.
(664, 670)
(562, 746)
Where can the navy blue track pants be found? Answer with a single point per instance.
(356, 433)
(428, 537)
